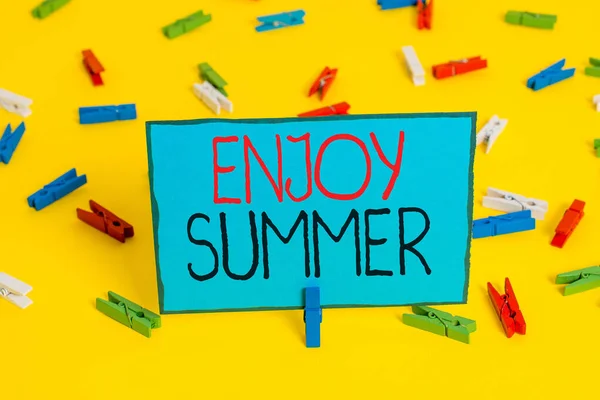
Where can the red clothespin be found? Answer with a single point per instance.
(507, 308)
(458, 67)
(323, 82)
(425, 11)
(93, 67)
(336, 109)
(568, 223)
(105, 221)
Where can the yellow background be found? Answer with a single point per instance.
(61, 347)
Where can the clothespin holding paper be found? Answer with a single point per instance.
(441, 323)
(313, 316)
(580, 280)
(129, 314)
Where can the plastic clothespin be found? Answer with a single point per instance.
(282, 20)
(580, 280)
(56, 190)
(519, 221)
(509, 202)
(596, 101)
(551, 75)
(508, 310)
(568, 223)
(453, 68)
(543, 21)
(335, 109)
(9, 142)
(491, 131)
(323, 83)
(47, 8)
(414, 65)
(129, 314)
(208, 74)
(425, 14)
(186, 24)
(15, 291)
(15, 104)
(93, 66)
(441, 323)
(212, 97)
(99, 114)
(105, 221)
(594, 70)
(313, 316)
(393, 4)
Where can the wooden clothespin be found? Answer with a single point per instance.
(14, 291)
(425, 13)
(323, 83)
(551, 75)
(508, 310)
(453, 68)
(510, 202)
(313, 316)
(441, 323)
(57, 189)
(568, 223)
(129, 314)
(579, 280)
(9, 142)
(336, 109)
(533, 20)
(490, 132)
(519, 221)
(93, 67)
(105, 221)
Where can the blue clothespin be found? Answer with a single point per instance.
(9, 142)
(94, 115)
(501, 225)
(551, 75)
(283, 20)
(56, 190)
(391, 4)
(313, 316)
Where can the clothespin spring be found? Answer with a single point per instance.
(510, 198)
(4, 292)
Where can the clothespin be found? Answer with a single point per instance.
(98, 114)
(10, 141)
(14, 291)
(129, 314)
(93, 67)
(313, 316)
(105, 221)
(15, 104)
(568, 223)
(594, 70)
(458, 67)
(543, 21)
(48, 7)
(597, 146)
(282, 20)
(336, 109)
(392, 4)
(323, 83)
(56, 190)
(579, 280)
(186, 24)
(490, 132)
(519, 221)
(208, 74)
(509, 202)
(508, 310)
(596, 101)
(425, 13)
(551, 75)
(414, 65)
(441, 323)
(212, 97)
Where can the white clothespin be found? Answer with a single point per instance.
(212, 97)
(414, 65)
(14, 291)
(490, 132)
(597, 102)
(510, 202)
(14, 103)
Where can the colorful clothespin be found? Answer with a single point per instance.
(509, 202)
(392, 4)
(282, 20)
(98, 114)
(9, 142)
(212, 97)
(441, 323)
(508, 310)
(129, 314)
(458, 67)
(335, 109)
(186, 24)
(597, 146)
(105, 221)
(579, 280)
(568, 223)
(551, 75)
(209, 74)
(543, 21)
(425, 14)
(48, 7)
(414, 65)
(323, 83)
(313, 316)
(56, 190)
(15, 104)
(491, 131)
(519, 221)
(14, 291)
(93, 67)
(594, 70)
(596, 101)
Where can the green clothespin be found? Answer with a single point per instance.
(597, 147)
(186, 24)
(209, 74)
(440, 322)
(580, 280)
(47, 8)
(543, 21)
(594, 70)
(129, 314)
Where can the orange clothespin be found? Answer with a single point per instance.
(507, 308)
(568, 223)
(458, 67)
(336, 109)
(105, 221)
(425, 13)
(93, 67)
(323, 82)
